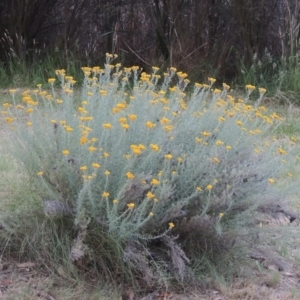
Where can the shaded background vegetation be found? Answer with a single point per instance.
(229, 39)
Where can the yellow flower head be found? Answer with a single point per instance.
(129, 175)
(205, 133)
(68, 128)
(92, 149)
(96, 165)
(262, 90)
(61, 72)
(51, 80)
(132, 117)
(168, 156)
(164, 120)
(121, 105)
(171, 225)
(168, 128)
(9, 120)
(6, 105)
(105, 194)
(154, 181)
(107, 173)
(65, 152)
(137, 149)
(125, 125)
(226, 86)
(107, 125)
(150, 125)
(115, 110)
(281, 151)
(29, 110)
(216, 160)
(209, 187)
(122, 120)
(68, 91)
(40, 173)
(81, 109)
(83, 140)
(231, 114)
(25, 99)
(130, 205)
(154, 147)
(69, 78)
(250, 87)
(271, 180)
(106, 154)
(150, 195)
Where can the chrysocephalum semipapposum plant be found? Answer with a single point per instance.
(138, 177)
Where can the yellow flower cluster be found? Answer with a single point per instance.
(137, 149)
(83, 132)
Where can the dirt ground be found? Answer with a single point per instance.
(273, 273)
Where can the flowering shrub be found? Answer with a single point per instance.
(147, 178)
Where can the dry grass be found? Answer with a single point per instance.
(38, 287)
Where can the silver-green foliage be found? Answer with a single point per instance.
(141, 162)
